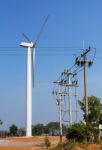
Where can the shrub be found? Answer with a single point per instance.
(47, 143)
(80, 132)
(66, 145)
(76, 132)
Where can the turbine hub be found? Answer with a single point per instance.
(25, 44)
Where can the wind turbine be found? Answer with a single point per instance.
(30, 77)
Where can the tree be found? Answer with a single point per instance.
(94, 118)
(46, 129)
(21, 132)
(80, 132)
(53, 128)
(13, 130)
(1, 122)
(94, 109)
(38, 129)
(76, 132)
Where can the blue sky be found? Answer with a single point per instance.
(69, 22)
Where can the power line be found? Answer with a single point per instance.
(58, 47)
(38, 54)
(74, 48)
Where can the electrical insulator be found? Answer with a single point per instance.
(78, 63)
(57, 102)
(82, 63)
(90, 63)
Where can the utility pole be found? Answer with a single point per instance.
(59, 103)
(69, 100)
(60, 118)
(82, 61)
(85, 89)
(66, 83)
(60, 113)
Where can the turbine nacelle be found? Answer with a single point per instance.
(25, 44)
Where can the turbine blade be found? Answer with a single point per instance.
(33, 65)
(41, 29)
(26, 37)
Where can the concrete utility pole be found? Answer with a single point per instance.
(82, 61)
(59, 103)
(69, 99)
(60, 117)
(85, 89)
(60, 112)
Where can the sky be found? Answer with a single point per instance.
(70, 22)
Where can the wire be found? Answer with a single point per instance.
(40, 54)
(58, 47)
(80, 70)
(71, 67)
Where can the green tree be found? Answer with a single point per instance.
(38, 129)
(76, 132)
(53, 128)
(80, 132)
(21, 132)
(1, 133)
(46, 129)
(13, 130)
(94, 116)
(1, 122)
(94, 109)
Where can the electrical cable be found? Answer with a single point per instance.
(63, 77)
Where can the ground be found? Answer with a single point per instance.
(36, 143)
(24, 143)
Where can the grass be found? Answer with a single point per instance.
(72, 145)
(66, 145)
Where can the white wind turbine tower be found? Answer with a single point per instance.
(30, 77)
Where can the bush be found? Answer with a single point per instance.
(76, 132)
(47, 142)
(80, 132)
(66, 145)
